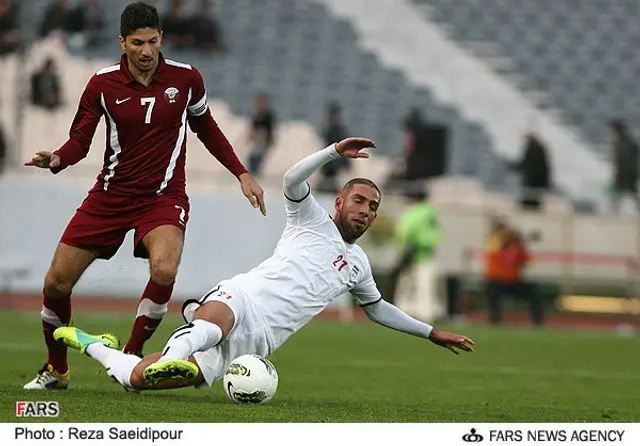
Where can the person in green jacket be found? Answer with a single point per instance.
(414, 276)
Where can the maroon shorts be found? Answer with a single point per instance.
(103, 219)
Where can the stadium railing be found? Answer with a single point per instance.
(576, 290)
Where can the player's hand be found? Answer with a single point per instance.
(451, 341)
(253, 191)
(44, 160)
(351, 147)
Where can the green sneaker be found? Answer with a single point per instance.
(77, 339)
(178, 369)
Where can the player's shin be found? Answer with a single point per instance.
(151, 310)
(55, 313)
(197, 336)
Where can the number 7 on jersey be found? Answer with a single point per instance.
(149, 102)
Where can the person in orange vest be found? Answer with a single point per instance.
(506, 256)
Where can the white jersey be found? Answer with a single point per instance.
(311, 266)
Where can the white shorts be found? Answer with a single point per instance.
(248, 336)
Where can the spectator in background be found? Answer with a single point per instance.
(426, 147)
(415, 273)
(535, 171)
(262, 133)
(626, 159)
(84, 24)
(206, 30)
(424, 154)
(506, 257)
(45, 86)
(9, 34)
(412, 124)
(3, 150)
(55, 18)
(333, 132)
(176, 28)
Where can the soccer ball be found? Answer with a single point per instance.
(251, 379)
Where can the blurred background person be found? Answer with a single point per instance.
(333, 132)
(413, 126)
(84, 24)
(9, 33)
(262, 133)
(506, 257)
(414, 278)
(176, 27)
(426, 147)
(3, 150)
(206, 29)
(424, 154)
(534, 169)
(625, 160)
(45, 86)
(55, 17)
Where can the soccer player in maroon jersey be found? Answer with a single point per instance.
(147, 102)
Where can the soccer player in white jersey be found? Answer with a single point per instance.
(315, 261)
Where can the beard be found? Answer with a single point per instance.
(350, 231)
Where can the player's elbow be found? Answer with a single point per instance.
(370, 316)
(371, 312)
(290, 176)
(287, 179)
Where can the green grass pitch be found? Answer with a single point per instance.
(361, 372)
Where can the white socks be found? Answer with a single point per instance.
(119, 365)
(197, 336)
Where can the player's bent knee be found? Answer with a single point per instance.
(56, 285)
(163, 272)
(137, 380)
(217, 313)
(137, 375)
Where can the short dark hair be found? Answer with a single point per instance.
(349, 184)
(139, 15)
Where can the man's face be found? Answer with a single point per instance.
(143, 48)
(355, 209)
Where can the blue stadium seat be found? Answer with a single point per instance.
(561, 47)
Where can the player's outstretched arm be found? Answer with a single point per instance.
(388, 315)
(209, 133)
(206, 128)
(295, 179)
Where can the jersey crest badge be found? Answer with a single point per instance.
(353, 275)
(171, 94)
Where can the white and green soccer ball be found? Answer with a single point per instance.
(251, 379)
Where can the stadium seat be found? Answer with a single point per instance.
(560, 47)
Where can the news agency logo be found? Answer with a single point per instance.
(49, 409)
(472, 437)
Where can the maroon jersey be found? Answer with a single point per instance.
(146, 128)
